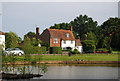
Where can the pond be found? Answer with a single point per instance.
(81, 72)
(78, 72)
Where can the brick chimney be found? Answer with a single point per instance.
(70, 28)
(37, 30)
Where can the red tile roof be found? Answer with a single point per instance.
(2, 33)
(78, 42)
(58, 33)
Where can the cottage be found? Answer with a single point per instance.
(59, 38)
(2, 40)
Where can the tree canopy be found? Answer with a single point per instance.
(64, 26)
(12, 40)
(110, 30)
(83, 24)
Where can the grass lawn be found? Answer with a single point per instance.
(87, 57)
(115, 51)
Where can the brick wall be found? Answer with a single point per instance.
(52, 44)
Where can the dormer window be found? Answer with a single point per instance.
(55, 40)
(67, 35)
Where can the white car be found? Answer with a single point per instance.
(14, 51)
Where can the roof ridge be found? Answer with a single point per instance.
(59, 29)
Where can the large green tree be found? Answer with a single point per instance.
(83, 24)
(64, 26)
(111, 31)
(32, 36)
(11, 40)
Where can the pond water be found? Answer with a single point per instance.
(78, 72)
(81, 72)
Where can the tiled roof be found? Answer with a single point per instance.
(2, 33)
(78, 42)
(58, 33)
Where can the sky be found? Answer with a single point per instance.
(22, 17)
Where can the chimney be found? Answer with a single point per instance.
(37, 30)
(70, 28)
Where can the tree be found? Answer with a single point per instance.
(83, 24)
(90, 36)
(27, 47)
(33, 39)
(110, 29)
(32, 34)
(64, 26)
(11, 40)
(88, 45)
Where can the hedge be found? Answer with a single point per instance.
(39, 50)
(75, 51)
(88, 46)
(34, 50)
(55, 50)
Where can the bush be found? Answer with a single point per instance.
(39, 50)
(75, 51)
(102, 49)
(88, 46)
(55, 50)
(34, 50)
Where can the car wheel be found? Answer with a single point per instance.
(19, 54)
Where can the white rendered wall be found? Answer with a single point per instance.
(79, 48)
(2, 41)
(68, 44)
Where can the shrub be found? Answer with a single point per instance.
(55, 50)
(75, 51)
(39, 50)
(103, 49)
(88, 46)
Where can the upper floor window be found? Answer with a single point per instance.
(71, 42)
(64, 42)
(55, 40)
(67, 35)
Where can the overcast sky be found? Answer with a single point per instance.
(21, 17)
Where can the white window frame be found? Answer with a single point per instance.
(55, 40)
(67, 35)
(64, 42)
(71, 41)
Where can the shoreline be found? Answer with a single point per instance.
(67, 62)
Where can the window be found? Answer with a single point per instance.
(71, 42)
(55, 40)
(64, 42)
(67, 35)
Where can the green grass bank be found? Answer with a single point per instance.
(85, 57)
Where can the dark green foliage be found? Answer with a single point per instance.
(39, 50)
(27, 47)
(88, 45)
(32, 34)
(35, 42)
(111, 29)
(103, 49)
(55, 50)
(75, 51)
(47, 45)
(1, 48)
(30, 46)
(64, 26)
(90, 36)
(11, 40)
(115, 42)
(83, 24)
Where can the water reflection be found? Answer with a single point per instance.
(76, 72)
(81, 72)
